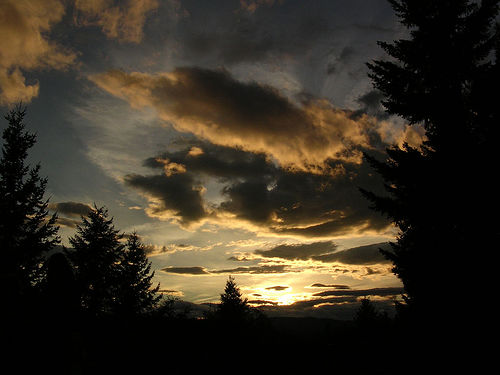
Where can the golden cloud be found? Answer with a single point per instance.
(123, 21)
(23, 26)
(214, 106)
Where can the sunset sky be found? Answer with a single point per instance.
(227, 133)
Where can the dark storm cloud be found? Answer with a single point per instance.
(178, 193)
(186, 270)
(72, 209)
(369, 254)
(298, 251)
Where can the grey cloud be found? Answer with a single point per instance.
(72, 209)
(186, 270)
(258, 191)
(383, 292)
(336, 286)
(217, 161)
(197, 270)
(178, 193)
(325, 251)
(298, 251)
(255, 269)
(369, 254)
(278, 288)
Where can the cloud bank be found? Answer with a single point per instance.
(214, 106)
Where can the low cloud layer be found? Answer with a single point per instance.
(262, 269)
(326, 252)
(298, 251)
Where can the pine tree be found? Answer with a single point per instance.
(135, 294)
(233, 307)
(96, 257)
(26, 230)
(440, 195)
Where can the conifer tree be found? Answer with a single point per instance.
(440, 195)
(233, 307)
(135, 294)
(96, 257)
(26, 230)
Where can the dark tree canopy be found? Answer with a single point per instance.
(135, 293)
(96, 259)
(113, 277)
(26, 230)
(233, 307)
(440, 196)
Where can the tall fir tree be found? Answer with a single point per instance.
(233, 307)
(136, 293)
(27, 231)
(96, 257)
(441, 195)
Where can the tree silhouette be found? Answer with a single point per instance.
(26, 230)
(96, 258)
(440, 195)
(233, 307)
(135, 294)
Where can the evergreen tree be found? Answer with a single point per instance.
(96, 259)
(136, 294)
(26, 230)
(233, 307)
(440, 195)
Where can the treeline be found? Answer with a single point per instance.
(105, 272)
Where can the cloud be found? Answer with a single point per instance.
(325, 251)
(278, 288)
(24, 26)
(336, 286)
(361, 293)
(71, 209)
(264, 269)
(257, 191)
(196, 270)
(186, 270)
(214, 106)
(369, 254)
(121, 20)
(298, 251)
(176, 196)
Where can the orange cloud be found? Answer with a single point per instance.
(257, 118)
(23, 26)
(123, 21)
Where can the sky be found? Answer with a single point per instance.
(228, 134)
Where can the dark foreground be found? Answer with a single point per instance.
(189, 346)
